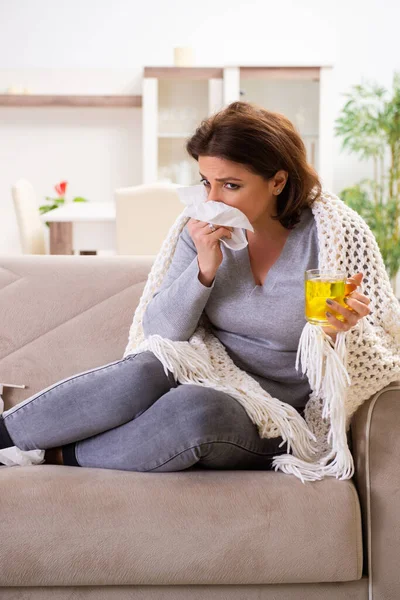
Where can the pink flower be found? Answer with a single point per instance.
(61, 187)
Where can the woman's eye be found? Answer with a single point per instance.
(235, 187)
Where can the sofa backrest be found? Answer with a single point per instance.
(61, 315)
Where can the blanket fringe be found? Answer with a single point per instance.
(191, 365)
(325, 367)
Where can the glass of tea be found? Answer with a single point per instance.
(319, 286)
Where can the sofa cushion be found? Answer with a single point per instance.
(73, 526)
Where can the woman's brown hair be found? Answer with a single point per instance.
(264, 142)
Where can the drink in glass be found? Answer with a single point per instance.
(319, 286)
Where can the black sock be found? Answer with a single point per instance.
(5, 440)
(68, 454)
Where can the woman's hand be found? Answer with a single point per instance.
(207, 242)
(359, 305)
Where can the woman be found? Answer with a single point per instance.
(129, 414)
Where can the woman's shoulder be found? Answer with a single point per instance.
(308, 228)
(307, 219)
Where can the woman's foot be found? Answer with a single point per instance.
(53, 456)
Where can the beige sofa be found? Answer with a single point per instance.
(69, 532)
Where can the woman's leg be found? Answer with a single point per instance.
(187, 426)
(86, 403)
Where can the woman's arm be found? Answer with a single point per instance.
(175, 309)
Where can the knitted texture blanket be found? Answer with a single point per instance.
(342, 374)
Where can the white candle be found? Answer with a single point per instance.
(183, 57)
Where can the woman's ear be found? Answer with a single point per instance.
(280, 179)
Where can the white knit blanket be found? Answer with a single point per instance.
(342, 375)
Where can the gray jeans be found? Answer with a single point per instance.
(130, 415)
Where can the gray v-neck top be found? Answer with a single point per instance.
(259, 325)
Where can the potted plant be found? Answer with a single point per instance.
(369, 124)
(61, 189)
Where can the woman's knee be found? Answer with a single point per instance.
(150, 367)
(206, 410)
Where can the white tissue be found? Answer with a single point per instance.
(13, 457)
(218, 213)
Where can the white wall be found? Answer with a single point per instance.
(97, 150)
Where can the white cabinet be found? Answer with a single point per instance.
(176, 99)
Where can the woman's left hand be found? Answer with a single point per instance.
(359, 303)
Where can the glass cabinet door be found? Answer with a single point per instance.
(292, 92)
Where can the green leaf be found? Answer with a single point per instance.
(45, 208)
(79, 199)
(369, 125)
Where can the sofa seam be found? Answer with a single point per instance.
(11, 283)
(359, 527)
(10, 271)
(69, 320)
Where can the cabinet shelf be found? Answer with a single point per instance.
(281, 73)
(204, 73)
(302, 93)
(51, 100)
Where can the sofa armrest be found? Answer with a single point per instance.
(375, 431)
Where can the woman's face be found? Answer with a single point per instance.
(233, 184)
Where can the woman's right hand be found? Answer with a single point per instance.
(207, 243)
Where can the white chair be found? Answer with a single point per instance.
(144, 215)
(30, 226)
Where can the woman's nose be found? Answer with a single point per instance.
(213, 195)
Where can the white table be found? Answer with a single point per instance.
(82, 226)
